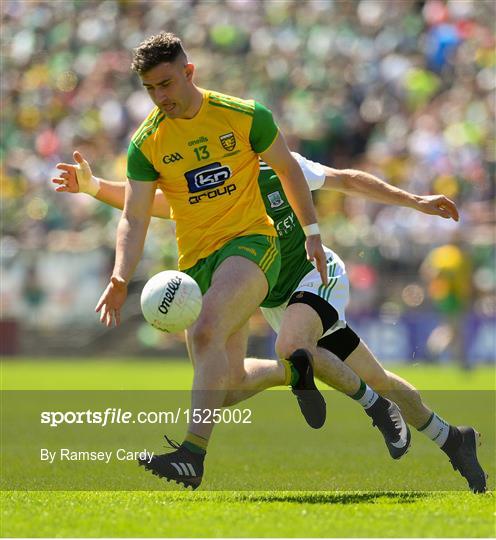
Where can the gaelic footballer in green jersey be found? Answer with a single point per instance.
(300, 283)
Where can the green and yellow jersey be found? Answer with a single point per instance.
(208, 168)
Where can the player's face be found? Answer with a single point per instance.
(170, 86)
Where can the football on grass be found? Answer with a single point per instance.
(171, 301)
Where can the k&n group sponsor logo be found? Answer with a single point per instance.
(213, 194)
(207, 177)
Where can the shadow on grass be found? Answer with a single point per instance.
(403, 497)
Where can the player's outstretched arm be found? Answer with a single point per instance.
(354, 182)
(131, 234)
(279, 158)
(78, 178)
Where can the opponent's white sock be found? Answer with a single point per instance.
(365, 395)
(436, 429)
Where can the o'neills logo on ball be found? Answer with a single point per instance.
(169, 294)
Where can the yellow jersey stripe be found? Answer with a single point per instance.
(230, 108)
(152, 128)
(144, 129)
(233, 102)
(146, 124)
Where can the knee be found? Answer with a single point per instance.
(287, 345)
(203, 335)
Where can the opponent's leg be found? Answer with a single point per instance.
(364, 363)
(301, 327)
(459, 443)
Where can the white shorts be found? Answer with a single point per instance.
(336, 293)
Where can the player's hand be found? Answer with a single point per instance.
(76, 178)
(111, 301)
(316, 254)
(438, 205)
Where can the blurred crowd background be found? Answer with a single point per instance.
(403, 89)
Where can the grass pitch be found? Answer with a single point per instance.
(277, 513)
(214, 514)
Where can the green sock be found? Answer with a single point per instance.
(360, 392)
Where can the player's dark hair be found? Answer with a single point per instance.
(163, 47)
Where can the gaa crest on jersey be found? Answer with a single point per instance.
(171, 158)
(207, 177)
(275, 199)
(228, 141)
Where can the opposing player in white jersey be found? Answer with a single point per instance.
(308, 315)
